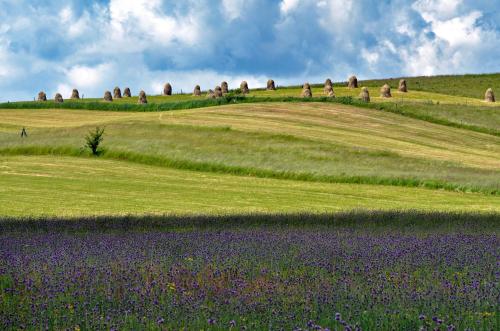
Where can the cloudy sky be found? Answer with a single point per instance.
(94, 45)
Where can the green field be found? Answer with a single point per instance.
(420, 150)
(260, 212)
(472, 86)
(65, 186)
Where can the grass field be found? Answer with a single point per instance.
(261, 212)
(472, 86)
(312, 142)
(64, 186)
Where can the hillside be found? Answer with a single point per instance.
(349, 156)
(266, 211)
(472, 86)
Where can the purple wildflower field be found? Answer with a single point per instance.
(255, 278)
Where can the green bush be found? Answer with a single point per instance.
(93, 139)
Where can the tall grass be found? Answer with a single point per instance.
(220, 168)
(410, 220)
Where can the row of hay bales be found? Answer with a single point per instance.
(75, 95)
(219, 91)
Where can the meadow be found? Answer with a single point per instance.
(265, 211)
(359, 271)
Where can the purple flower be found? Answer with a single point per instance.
(337, 316)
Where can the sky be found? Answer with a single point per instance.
(95, 45)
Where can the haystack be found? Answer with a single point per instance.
(364, 95)
(117, 93)
(58, 98)
(244, 87)
(329, 91)
(489, 96)
(42, 96)
(75, 94)
(270, 85)
(167, 89)
(218, 92)
(107, 96)
(197, 91)
(353, 82)
(142, 98)
(306, 91)
(402, 86)
(224, 87)
(210, 94)
(385, 91)
(126, 93)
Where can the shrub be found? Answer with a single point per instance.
(93, 139)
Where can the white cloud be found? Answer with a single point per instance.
(233, 8)
(144, 21)
(459, 30)
(83, 76)
(437, 9)
(94, 46)
(287, 6)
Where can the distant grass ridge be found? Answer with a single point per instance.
(472, 85)
(409, 109)
(401, 220)
(246, 171)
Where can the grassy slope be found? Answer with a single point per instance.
(455, 110)
(313, 142)
(65, 186)
(472, 86)
(319, 141)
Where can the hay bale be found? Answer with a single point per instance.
(328, 90)
(58, 98)
(42, 96)
(353, 82)
(142, 98)
(75, 94)
(328, 81)
(107, 96)
(126, 93)
(218, 92)
(224, 87)
(385, 91)
(197, 91)
(306, 91)
(364, 95)
(117, 93)
(210, 94)
(244, 87)
(270, 85)
(402, 86)
(167, 89)
(489, 96)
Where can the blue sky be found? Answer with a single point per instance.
(95, 45)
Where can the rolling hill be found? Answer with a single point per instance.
(418, 150)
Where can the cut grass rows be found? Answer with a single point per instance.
(68, 187)
(426, 111)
